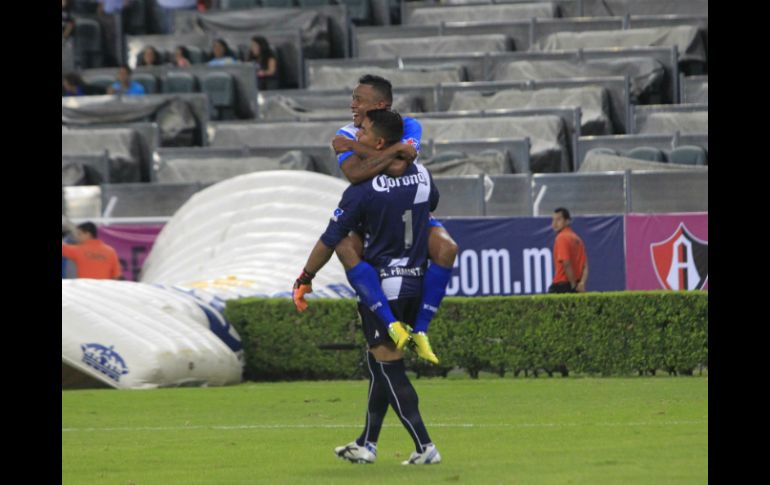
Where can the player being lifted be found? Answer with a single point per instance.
(358, 162)
(393, 212)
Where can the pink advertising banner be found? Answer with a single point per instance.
(667, 251)
(132, 243)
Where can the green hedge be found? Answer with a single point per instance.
(613, 333)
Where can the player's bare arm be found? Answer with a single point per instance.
(367, 162)
(318, 258)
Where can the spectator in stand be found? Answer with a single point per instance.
(267, 63)
(222, 54)
(124, 84)
(93, 258)
(150, 57)
(181, 57)
(264, 56)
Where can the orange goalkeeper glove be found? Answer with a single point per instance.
(302, 286)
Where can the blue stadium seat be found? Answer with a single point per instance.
(179, 82)
(360, 11)
(651, 154)
(278, 3)
(149, 81)
(689, 155)
(197, 56)
(103, 81)
(220, 88)
(234, 4)
(88, 43)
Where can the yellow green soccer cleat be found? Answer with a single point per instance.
(399, 334)
(422, 347)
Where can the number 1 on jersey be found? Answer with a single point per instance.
(407, 218)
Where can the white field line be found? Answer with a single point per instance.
(355, 426)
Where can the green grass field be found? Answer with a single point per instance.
(651, 430)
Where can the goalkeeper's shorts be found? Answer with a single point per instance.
(375, 331)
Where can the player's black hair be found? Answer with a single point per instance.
(88, 227)
(564, 213)
(387, 124)
(381, 85)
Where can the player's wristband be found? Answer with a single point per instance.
(305, 277)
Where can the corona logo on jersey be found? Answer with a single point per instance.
(383, 183)
(681, 261)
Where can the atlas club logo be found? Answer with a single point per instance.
(681, 261)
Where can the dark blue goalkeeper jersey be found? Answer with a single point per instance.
(393, 212)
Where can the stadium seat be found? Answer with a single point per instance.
(147, 80)
(313, 3)
(220, 88)
(88, 43)
(233, 4)
(601, 151)
(197, 56)
(179, 82)
(688, 155)
(278, 3)
(651, 154)
(359, 10)
(134, 17)
(102, 81)
(448, 156)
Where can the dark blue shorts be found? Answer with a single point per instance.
(404, 309)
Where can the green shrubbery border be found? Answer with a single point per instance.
(613, 333)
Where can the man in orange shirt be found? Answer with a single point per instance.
(569, 256)
(93, 258)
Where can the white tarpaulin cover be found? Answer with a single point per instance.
(685, 37)
(645, 73)
(249, 236)
(134, 335)
(477, 13)
(245, 236)
(430, 46)
(329, 77)
(594, 102)
(683, 122)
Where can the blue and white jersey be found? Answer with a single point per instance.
(412, 136)
(393, 212)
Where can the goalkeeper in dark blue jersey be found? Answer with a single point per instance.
(393, 214)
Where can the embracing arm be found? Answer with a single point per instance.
(366, 162)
